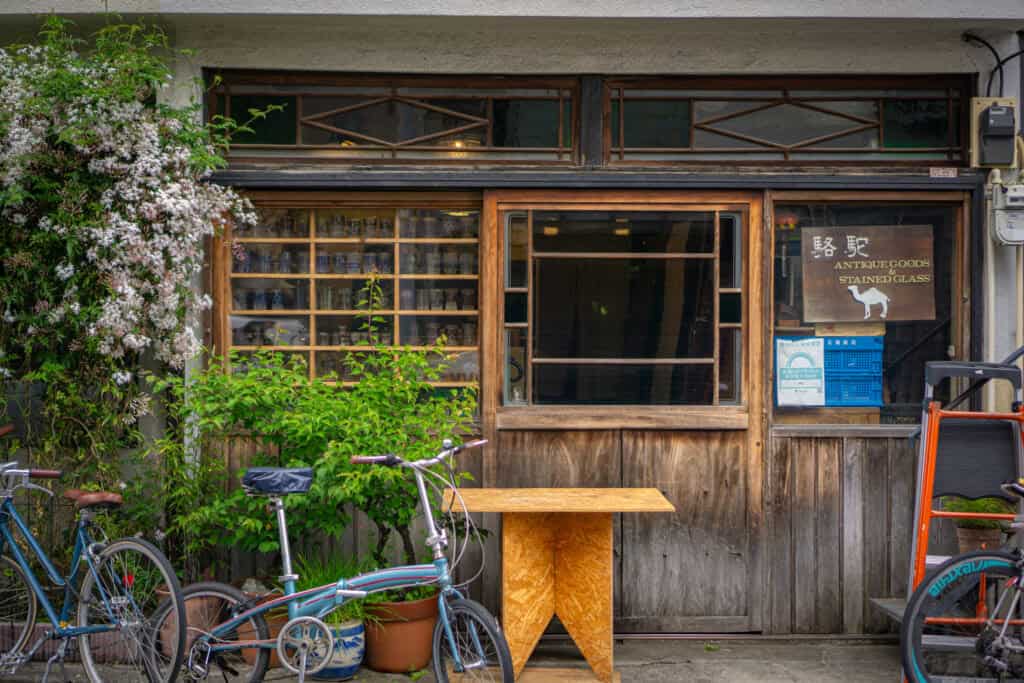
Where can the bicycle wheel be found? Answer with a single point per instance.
(479, 643)
(122, 592)
(18, 606)
(208, 604)
(964, 621)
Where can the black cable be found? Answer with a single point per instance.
(969, 37)
(999, 66)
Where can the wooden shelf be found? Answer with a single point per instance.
(439, 385)
(437, 276)
(352, 240)
(439, 312)
(438, 240)
(272, 240)
(270, 276)
(271, 311)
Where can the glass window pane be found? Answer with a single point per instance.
(916, 123)
(332, 363)
(785, 124)
(623, 384)
(438, 295)
(730, 249)
(624, 232)
(353, 259)
(277, 223)
(515, 308)
(730, 358)
(908, 345)
(525, 123)
(657, 123)
(613, 121)
(265, 330)
(271, 258)
(515, 367)
(448, 223)
(515, 251)
(243, 360)
(353, 223)
(623, 308)
(277, 128)
(427, 330)
(433, 259)
(730, 308)
(259, 294)
(350, 295)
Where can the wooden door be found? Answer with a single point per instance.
(698, 570)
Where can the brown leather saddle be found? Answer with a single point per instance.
(94, 499)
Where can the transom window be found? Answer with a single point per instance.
(386, 118)
(623, 307)
(769, 119)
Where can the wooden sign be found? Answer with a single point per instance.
(873, 273)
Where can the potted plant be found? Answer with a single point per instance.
(347, 623)
(400, 631)
(976, 534)
(395, 408)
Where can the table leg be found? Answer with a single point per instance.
(558, 563)
(584, 586)
(527, 581)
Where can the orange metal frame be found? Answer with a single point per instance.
(926, 513)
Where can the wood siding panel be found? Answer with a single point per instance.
(554, 459)
(692, 567)
(838, 532)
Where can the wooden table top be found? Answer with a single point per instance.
(560, 500)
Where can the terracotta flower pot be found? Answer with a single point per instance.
(978, 539)
(399, 635)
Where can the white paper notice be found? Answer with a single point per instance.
(800, 374)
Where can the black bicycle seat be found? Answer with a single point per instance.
(278, 481)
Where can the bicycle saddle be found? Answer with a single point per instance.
(278, 480)
(89, 499)
(6, 429)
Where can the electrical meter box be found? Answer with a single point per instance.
(994, 132)
(1008, 213)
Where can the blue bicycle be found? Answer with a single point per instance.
(113, 595)
(229, 636)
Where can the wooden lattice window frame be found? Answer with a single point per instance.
(418, 92)
(397, 204)
(765, 93)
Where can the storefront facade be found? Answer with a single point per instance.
(614, 258)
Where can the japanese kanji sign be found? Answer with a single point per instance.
(876, 273)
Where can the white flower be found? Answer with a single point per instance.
(8, 316)
(122, 377)
(65, 271)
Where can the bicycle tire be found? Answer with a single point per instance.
(210, 603)
(497, 660)
(132, 587)
(940, 635)
(13, 581)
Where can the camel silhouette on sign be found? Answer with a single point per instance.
(871, 297)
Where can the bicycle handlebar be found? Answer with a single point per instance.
(45, 474)
(392, 460)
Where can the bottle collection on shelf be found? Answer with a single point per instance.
(418, 296)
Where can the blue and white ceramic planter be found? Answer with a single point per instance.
(349, 649)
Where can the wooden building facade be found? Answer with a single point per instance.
(612, 262)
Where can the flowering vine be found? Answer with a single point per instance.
(103, 205)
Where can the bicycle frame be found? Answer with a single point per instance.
(69, 583)
(318, 602)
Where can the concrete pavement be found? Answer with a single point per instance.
(690, 661)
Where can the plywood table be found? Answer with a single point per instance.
(557, 559)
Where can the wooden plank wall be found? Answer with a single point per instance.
(838, 523)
